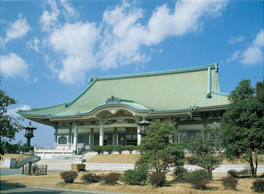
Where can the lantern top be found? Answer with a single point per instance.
(144, 122)
(30, 126)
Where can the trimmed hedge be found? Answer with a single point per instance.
(91, 178)
(258, 186)
(199, 178)
(108, 148)
(119, 148)
(130, 148)
(230, 182)
(137, 176)
(157, 179)
(98, 149)
(111, 178)
(69, 176)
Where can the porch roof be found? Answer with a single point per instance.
(159, 91)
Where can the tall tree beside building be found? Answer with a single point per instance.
(158, 153)
(9, 125)
(242, 126)
(205, 149)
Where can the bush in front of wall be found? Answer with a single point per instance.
(244, 172)
(230, 182)
(90, 178)
(199, 178)
(258, 186)
(157, 179)
(111, 178)
(130, 148)
(98, 149)
(180, 172)
(137, 176)
(25, 148)
(233, 173)
(108, 148)
(119, 148)
(69, 176)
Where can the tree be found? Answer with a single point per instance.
(205, 149)
(9, 125)
(158, 153)
(242, 126)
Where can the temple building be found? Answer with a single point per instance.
(111, 108)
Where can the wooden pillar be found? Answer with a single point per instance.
(92, 137)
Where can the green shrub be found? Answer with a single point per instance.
(130, 148)
(244, 172)
(157, 179)
(139, 148)
(230, 182)
(111, 178)
(119, 148)
(25, 148)
(233, 173)
(90, 178)
(198, 178)
(258, 186)
(98, 149)
(108, 148)
(180, 172)
(137, 176)
(69, 176)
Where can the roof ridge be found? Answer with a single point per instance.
(155, 73)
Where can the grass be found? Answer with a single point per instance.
(114, 158)
(18, 157)
(54, 180)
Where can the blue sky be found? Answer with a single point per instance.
(49, 49)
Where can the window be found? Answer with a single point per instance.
(131, 139)
(62, 140)
(83, 138)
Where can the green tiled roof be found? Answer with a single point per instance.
(157, 91)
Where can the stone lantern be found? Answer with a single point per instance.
(29, 132)
(143, 127)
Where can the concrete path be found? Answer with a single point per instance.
(13, 188)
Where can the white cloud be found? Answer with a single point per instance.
(252, 56)
(259, 40)
(18, 29)
(121, 36)
(35, 80)
(75, 42)
(13, 112)
(236, 40)
(235, 56)
(49, 19)
(254, 53)
(33, 44)
(124, 35)
(13, 65)
(69, 10)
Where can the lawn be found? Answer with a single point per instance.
(18, 157)
(54, 180)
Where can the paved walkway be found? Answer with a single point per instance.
(13, 188)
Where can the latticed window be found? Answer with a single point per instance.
(62, 140)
